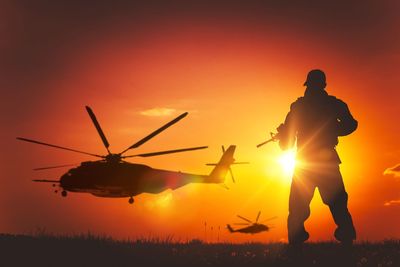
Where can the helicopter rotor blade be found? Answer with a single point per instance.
(46, 181)
(269, 219)
(166, 152)
(98, 128)
(231, 173)
(60, 147)
(239, 162)
(53, 167)
(258, 216)
(156, 132)
(242, 223)
(243, 218)
(224, 186)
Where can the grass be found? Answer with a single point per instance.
(90, 250)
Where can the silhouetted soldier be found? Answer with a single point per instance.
(316, 120)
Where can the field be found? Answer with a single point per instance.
(90, 250)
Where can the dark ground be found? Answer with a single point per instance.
(89, 250)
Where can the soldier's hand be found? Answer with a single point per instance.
(280, 128)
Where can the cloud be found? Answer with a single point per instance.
(392, 203)
(158, 112)
(393, 171)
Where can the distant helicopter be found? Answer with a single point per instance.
(113, 177)
(251, 227)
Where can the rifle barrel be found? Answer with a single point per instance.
(266, 142)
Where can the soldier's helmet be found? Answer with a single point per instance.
(316, 78)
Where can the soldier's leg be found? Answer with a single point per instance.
(301, 193)
(334, 195)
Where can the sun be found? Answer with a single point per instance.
(287, 160)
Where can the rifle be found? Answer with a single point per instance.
(274, 137)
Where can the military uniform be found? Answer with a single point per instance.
(315, 121)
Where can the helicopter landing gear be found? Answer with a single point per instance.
(131, 200)
(64, 193)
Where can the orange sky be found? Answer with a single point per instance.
(234, 68)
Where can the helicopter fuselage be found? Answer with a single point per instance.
(123, 179)
(114, 177)
(252, 229)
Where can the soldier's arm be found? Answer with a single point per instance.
(287, 130)
(346, 122)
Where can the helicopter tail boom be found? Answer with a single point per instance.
(230, 229)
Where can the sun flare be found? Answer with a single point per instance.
(287, 160)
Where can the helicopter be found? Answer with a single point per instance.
(113, 177)
(251, 227)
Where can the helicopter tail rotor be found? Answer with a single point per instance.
(222, 167)
(230, 169)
